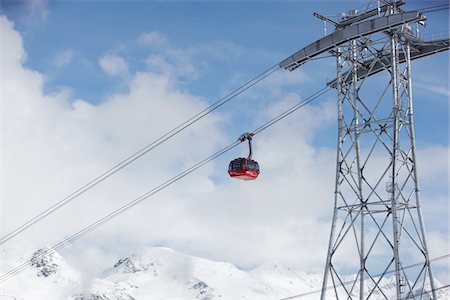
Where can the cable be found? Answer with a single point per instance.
(154, 144)
(147, 149)
(138, 154)
(434, 8)
(291, 110)
(426, 292)
(120, 210)
(352, 281)
(429, 9)
(157, 189)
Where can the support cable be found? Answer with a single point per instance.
(434, 8)
(138, 154)
(174, 179)
(291, 110)
(156, 143)
(378, 275)
(425, 292)
(117, 212)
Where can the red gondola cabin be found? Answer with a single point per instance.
(243, 168)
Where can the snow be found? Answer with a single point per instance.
(48, 277)
(157, 273)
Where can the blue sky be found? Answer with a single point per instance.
(255, 35)
(107, 59)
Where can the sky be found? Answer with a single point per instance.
(85, 84)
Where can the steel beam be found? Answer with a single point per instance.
(341, 36)
(418, 50)
(369, 14)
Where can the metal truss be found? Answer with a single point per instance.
(377, 225)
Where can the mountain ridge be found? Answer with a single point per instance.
(161, 273)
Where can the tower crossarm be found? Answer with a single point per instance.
(368, 14)
(418, 49)
(340, 36)
(377, 225)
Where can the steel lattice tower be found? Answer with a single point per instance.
(377, 201)
(377, 226)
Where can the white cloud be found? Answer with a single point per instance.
(56, 144)
(16, 53)
(434, 88)
(175, 64)
(220, 50)
(63, 58)
(190, 62)
(53, 144)
(37, 8)
(433, 165)
(172, 60)
(153, 38)
(283, 79)
(439, 245)
(113, 65)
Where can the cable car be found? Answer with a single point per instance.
(244, 168)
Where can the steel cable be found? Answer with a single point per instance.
(435, 8)
(118, 211)
(425, 292)
(291, 110)
(138, 154)
(352, 281)
(174, 179)
(115, 213)
(154, 144)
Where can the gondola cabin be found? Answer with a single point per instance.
(243, 168)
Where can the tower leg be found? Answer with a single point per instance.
(376, 233)
(395, 145)
(415, 172)
(336, 189)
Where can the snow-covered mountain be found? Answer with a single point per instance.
(47, 277)
(158, 273)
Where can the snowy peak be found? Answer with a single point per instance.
(104, 296)
(276, 269)
(161, 273)
(167, 262)
(287, 278)
(130, 265)
(46, 261)
(49, 276)
(152, 260)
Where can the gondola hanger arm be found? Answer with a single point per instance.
(246, 136)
